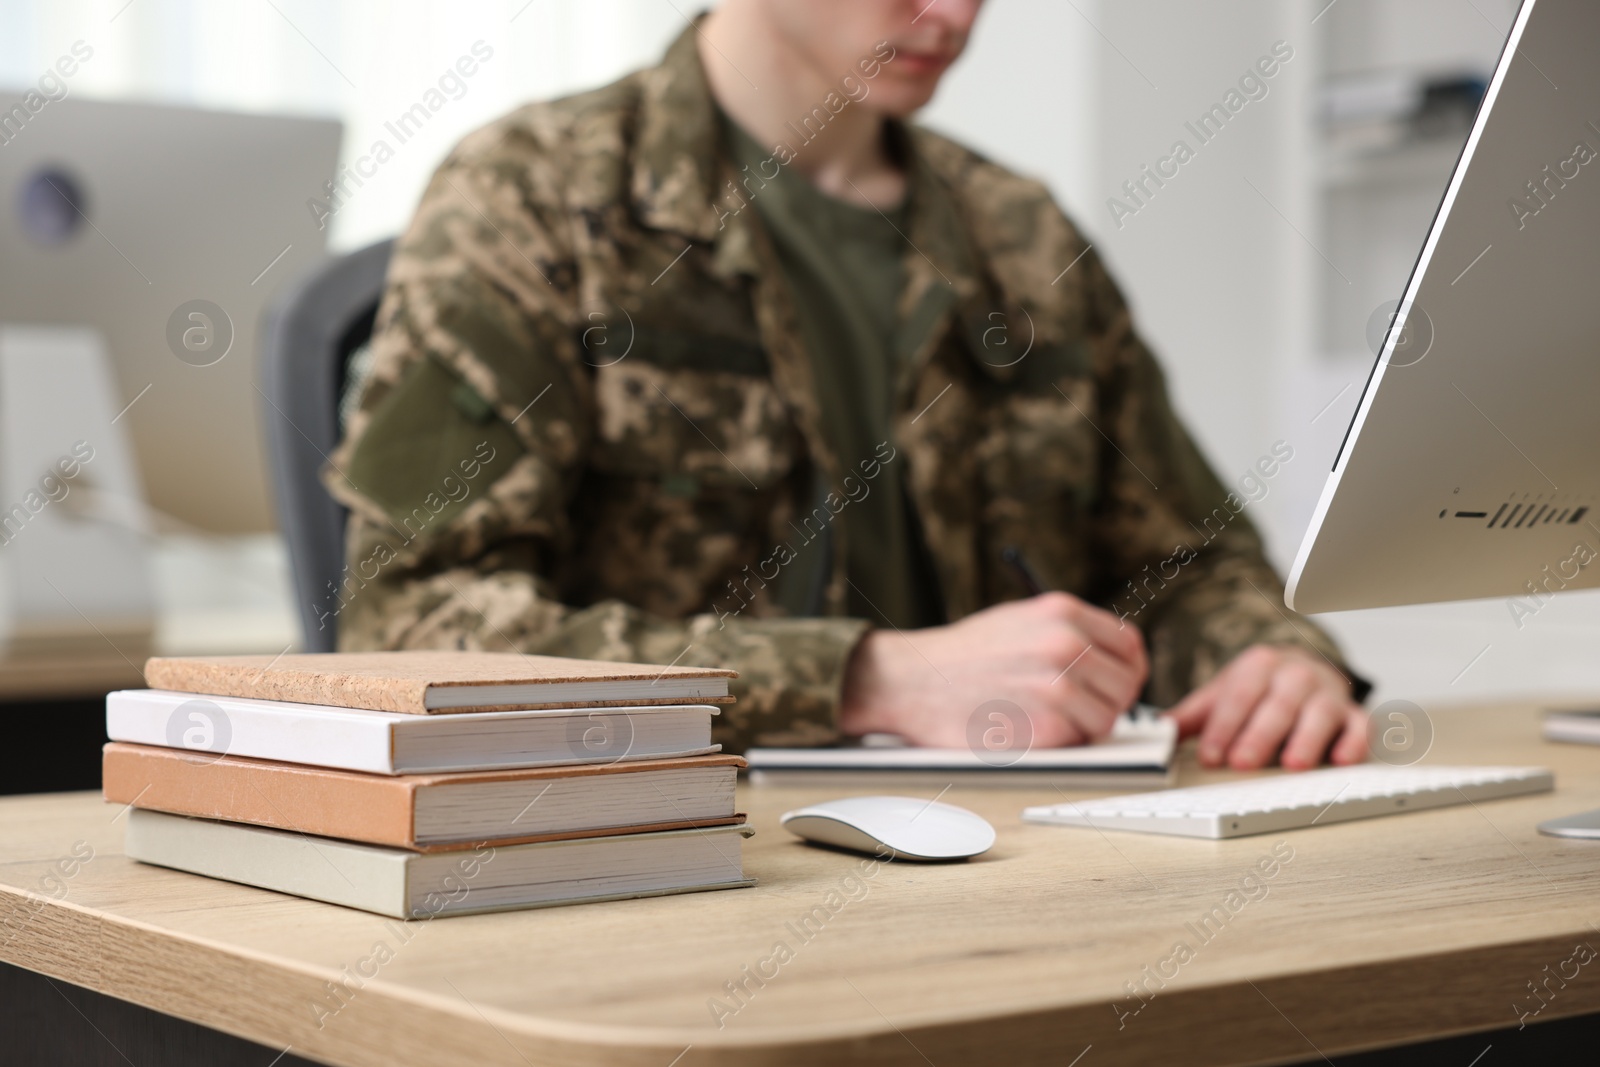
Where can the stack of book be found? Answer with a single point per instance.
(419, 784)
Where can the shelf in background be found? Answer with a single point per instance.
(1418, 162)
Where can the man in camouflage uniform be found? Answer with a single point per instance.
(599, 423)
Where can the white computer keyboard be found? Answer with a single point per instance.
(1290, 801)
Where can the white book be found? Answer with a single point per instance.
(1139, 751)
(413, 885)
(386, 742)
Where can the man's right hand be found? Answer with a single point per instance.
(1071, 667)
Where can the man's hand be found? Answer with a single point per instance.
(1071, 667)
(1269, 694)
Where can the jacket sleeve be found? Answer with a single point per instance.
(463, 462)
(1180, 556)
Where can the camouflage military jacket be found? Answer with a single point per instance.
(589, 428)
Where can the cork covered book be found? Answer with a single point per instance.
(430, 682)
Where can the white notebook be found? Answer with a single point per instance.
(406, 885)
(386, 742)
(1139, 751)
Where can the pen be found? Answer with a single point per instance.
(1030, 581)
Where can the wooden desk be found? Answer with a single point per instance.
(1375, 933)
(89, 664)
(64, 677)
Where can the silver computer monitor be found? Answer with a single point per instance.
(1472, 466)
(123, 218)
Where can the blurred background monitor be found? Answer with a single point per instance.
(166, 229)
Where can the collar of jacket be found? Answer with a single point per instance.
(682, 182)
(677, 145)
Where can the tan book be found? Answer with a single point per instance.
(421, 683)
(428, 812)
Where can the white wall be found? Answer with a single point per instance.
(363, 61)
(1025, 95)
(1204, 258)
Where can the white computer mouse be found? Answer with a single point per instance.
(894, 827)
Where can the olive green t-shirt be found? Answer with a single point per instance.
(844, 265)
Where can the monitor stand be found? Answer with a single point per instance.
(74, 561)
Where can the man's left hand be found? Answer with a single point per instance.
(1269, 698)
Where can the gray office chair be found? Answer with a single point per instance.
(312, 330)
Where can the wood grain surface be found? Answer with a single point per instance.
(62, 677)
(1373, 933)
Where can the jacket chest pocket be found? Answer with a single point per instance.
(691, 427)
(689, 472)
(1041, 452)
